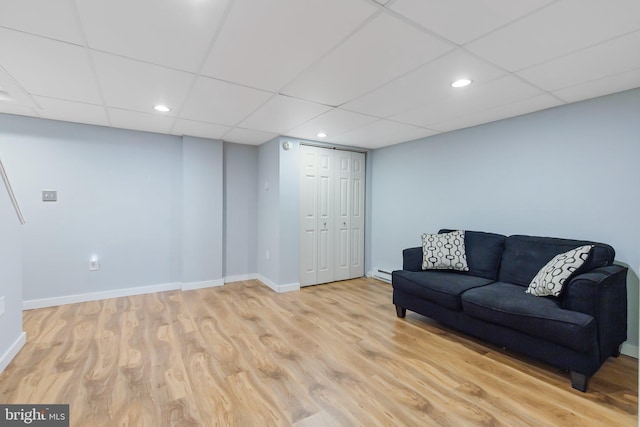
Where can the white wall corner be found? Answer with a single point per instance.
(240, 278)
(95, 296)
(629, 350)
(204, 284)
(8, 356)
(278, 288)
(290, 287)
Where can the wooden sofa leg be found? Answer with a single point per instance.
(401, 312)
(579, 381)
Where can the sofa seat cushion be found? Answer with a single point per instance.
(440, 287)
(541, 317)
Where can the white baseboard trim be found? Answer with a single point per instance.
(629, 350)
(241, 278)
(8, 356)
(278, 288)
(95, 296)
(199, 285)
(289, 287)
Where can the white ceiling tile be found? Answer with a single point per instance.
(282, 113)
(390, 59)
(382, 50)
(332, 123)
(140, 121)
(265, 44)
(165, 32)
(557, 30)
(20, 110)
(53, 19)
(69, 111)
(462, 20)
(502, 91)
(380, 134)
(248, 136)
(518, 108)
(49, 68)
(429, 81)
(11, 92)
(214, 101)
(200, 129)
(138, 86)
(600, 87)
(586, 65)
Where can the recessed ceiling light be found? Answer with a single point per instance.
(321, 135)
(161, 108)
(461, 83)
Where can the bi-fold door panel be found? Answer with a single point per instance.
(325, 216)
(357, 215)
(342, 215)
(308, 217)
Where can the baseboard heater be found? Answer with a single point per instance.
(383, 275)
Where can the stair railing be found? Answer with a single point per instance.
(12, 196)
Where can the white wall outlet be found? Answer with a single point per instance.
(267, 255)
(94, 264)
(1, 306)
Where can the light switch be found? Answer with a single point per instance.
(49, 195)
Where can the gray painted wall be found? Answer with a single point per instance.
(268, 211)
(148, 205)
(202, 210)
(10, 263)
(570, 171)
(117, 192)
(289, 180)
(241, 209)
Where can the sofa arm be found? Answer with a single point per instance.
(602, 293)
(412, 259)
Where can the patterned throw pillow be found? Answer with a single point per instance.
(552, 277)
(444, 251)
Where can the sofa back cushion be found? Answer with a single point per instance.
(484, 251)
(524, 256)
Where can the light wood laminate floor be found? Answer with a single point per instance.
(328, 355)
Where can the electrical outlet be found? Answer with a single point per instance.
(267, 255)
(94, 264)
(49, 195)
(1, 306)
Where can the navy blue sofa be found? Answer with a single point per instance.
(576, 331)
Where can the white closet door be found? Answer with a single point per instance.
(308, 216)
(325, 215)
(357, 215)
(342, 215)
(331, 215)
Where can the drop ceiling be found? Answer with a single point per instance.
(367, 73)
